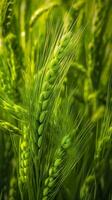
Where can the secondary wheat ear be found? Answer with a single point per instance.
(24, 159)
(56, 168)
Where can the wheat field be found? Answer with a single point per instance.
(55, 100)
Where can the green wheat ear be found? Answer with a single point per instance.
(6, 126)
(6, 15)
(40, 11)
(24, 157)
(12, 189)
(56, 167)
(88, 188)
(48, 86)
